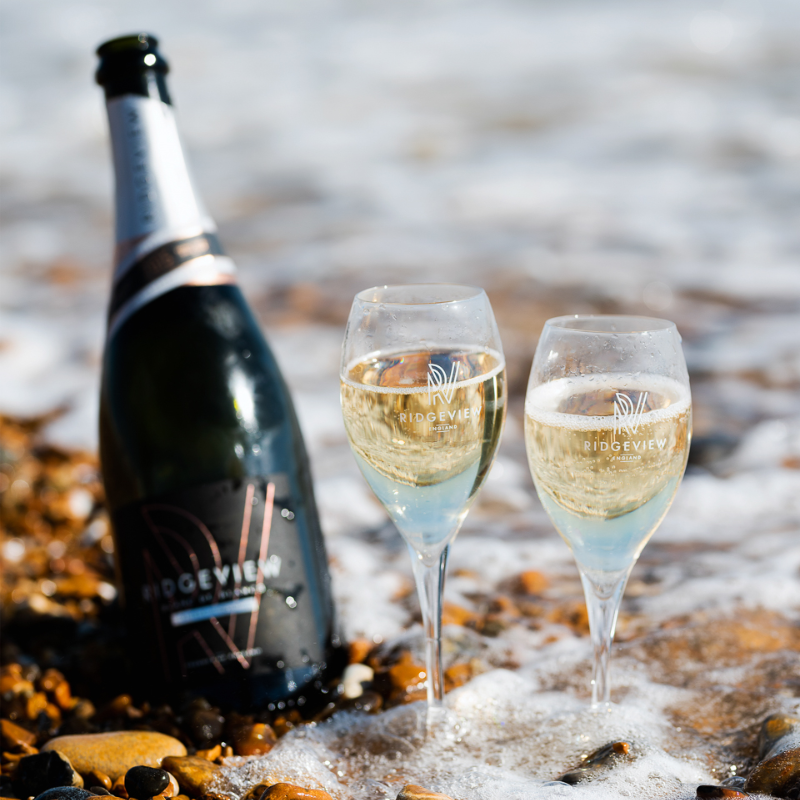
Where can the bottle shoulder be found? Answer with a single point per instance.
(191, 393)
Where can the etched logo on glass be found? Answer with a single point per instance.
(627, 416)
(440, 385)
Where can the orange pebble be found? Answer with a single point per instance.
(211, 754)
(533, 582)
(359, 650)
(254, 740)
(97, 778)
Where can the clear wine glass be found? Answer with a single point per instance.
(608, 423)
(423, 395)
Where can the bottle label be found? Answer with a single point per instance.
(192, 261)
(216, 583)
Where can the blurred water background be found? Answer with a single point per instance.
(620, 156)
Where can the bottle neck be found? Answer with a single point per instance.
(155, 198)
(165, 239)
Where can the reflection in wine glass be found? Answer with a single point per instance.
(423, 398)
(607, 429)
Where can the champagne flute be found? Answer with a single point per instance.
(423, 396)
(608, 424)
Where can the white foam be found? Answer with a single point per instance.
(505, 740)
(497, 358)
(542, 402)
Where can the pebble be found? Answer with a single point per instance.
(64, 793)
(406, 673)
(288, 791)
(55, 684)
(194, 774)
(773, 729)
(734, 782)
(255, 792)
(12, 683)
(457, 675)
(115, 753)
(603, 756)
(145, 782)
(713, 792)
(97, 778)
(532, 582)
(173, 790)
(359, 650)
(253, 739)
(354, 676)
(210, 754)
(413, 792)
(35, 774)
(778, 771)
(453, 614)
(204, 723)
(14, 736)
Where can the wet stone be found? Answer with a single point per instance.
(773, 729)
(204, 724)
(406, 673)
(709, 792)
(97, 778)
(412, 792)
(735, 782)
(173, 790)
(288, 791)
(194, 775)
(210, 754)
(115, 753)
(144, 782)
(254, 739)
(64, 793)
(15, 736)
(99, 790)
(255, 792)
(778, 771)
(355, 675)
(605, 756)
(37, 773)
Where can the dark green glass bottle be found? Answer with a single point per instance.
(221, 559)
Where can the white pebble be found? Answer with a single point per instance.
(354, 676)
(81, 503)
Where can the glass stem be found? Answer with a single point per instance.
(430, 587)
(603, 592)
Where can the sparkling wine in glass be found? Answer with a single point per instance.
(423, 396)
(608, 421)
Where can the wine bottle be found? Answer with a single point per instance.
(220, 556)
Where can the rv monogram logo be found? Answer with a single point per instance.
(626, 415)
(440, 385)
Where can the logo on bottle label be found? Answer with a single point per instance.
(215, 579)
(627, 416)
